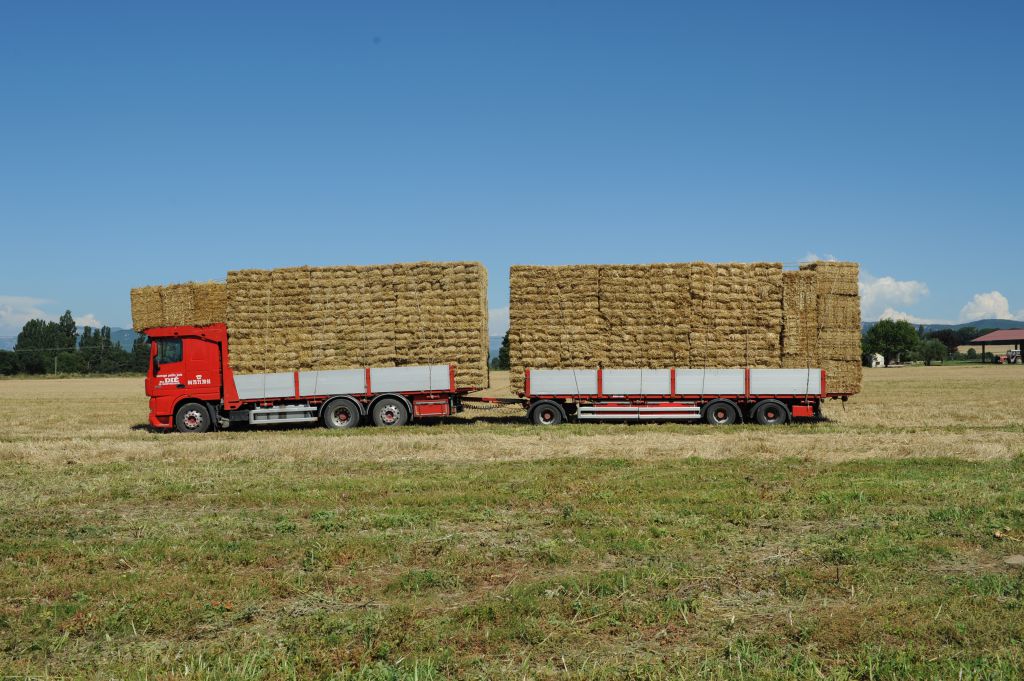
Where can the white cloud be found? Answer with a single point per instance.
(16, 310)
(991, 305)
(498, 322)
(880, 294)
(814, 257)
(890, 313)
(88, 319)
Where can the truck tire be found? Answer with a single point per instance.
(390, 412)
(192, 417)
(547, 413)
(771, 413)
(721, 413)
(340, 413)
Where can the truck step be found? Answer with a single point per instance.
(285, 414)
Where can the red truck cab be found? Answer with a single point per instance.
(186, 363)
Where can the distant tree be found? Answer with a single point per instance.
(892, 339)
(933, 350)
(37, 344)
(503, 359)
(972, 353)
(140, 354)
(67, 332)
(966, 334)
(948, 337)
(9, 363)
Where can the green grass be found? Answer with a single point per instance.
(562, 567)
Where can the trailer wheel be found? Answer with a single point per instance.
(390, 412)
(721, 413)
(771, 413)
(547, 413)
(340, 414)
(192, 417)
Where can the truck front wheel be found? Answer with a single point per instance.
(390, 412)
(192, 417)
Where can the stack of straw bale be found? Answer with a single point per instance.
(737, 315)
(838, 343)
(191, 304)
(699, 315)
(799, 319)
(557, 321)
(304, 318)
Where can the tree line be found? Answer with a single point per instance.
(46, 347)
(899, 341)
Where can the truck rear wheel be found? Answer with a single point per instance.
(771, 413)
(390, 412)
(192, 417)
(721, 413)
(340, 414)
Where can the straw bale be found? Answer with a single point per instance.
(147, 308)
(835, 278)
(189, 304)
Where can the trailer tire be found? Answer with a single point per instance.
(390, 412)
(340, 413)
(721, 413)
(771, 413)
(547, 413)
(192, 417)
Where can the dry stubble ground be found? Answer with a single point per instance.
(860, 547)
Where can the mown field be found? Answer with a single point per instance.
(878, 544)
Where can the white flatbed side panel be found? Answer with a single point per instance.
(622, 381)
(636, 381)
(335, 382)
(563, 381)
(657, 381)
(409, 379)
(264, 386)
(250, 386)
(785, 381)
(279, 384)
(710, 381)
(440, 378)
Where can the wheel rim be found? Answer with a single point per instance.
(193, 419)
(389, 415)
(341, 416)
(771, 414)
(721, 415)
(547, 415)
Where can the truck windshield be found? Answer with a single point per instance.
(168, 350)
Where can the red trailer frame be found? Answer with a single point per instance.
(767, 408)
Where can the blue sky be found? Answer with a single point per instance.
(144, 143)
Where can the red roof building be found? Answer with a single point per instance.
(1004, 337)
